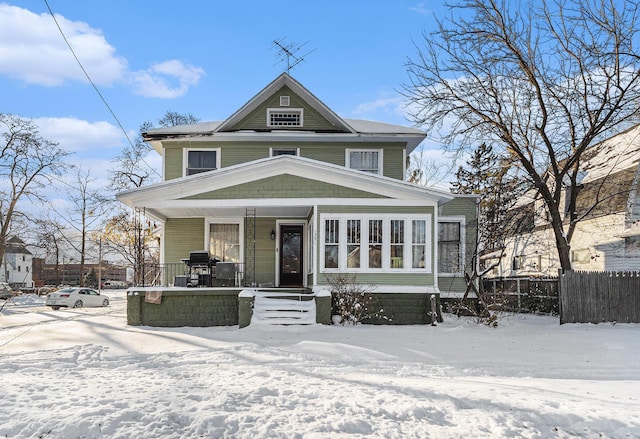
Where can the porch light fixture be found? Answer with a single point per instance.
(273, 235)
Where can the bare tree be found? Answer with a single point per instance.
(541, 81)
(49, 238)
(131, 168)
(27, 161)
(85, 212)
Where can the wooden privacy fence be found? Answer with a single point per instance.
(595, 297)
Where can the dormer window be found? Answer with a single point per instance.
(284, 118)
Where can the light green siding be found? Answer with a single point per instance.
(173, 161)
(461, 206)
(265, 251)
(181, 236)
(257, 119)
(284, 186)
(234, 153)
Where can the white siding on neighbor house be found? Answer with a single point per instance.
(598, 244)
(17, 269)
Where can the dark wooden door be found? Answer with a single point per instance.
(291, 256)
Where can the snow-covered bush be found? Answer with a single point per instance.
(351, 301)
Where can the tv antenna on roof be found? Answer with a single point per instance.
(287, 52)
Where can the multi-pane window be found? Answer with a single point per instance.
(418, 243)
(331, 243)
(449, 246)
(353, 243)
(201, 161)
(284, 118)
(224, 241)
(396, 243)
(375, 243)
(367, 160)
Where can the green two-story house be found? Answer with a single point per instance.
(292, 195)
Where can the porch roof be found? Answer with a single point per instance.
(178, 197)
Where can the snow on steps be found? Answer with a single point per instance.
(284, 308)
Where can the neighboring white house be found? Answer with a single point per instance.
(17, 266)
(608, 236)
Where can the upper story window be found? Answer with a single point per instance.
(367, 160)
(284, 151)
(201, 160)
(290, 117)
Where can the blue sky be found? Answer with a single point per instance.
(201, 57)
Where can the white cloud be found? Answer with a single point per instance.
(386, 105)
(167, 79)
(32, 50)
(77, 135)
(421, 8)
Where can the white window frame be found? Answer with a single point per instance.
(386, 249)
(462, 261)
(300, 112)
(347, 159)
(239, 221)
(185, 158)
(272, 149)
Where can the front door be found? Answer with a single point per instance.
(291, 251)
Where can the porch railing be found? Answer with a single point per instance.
(180, 274)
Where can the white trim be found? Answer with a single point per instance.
(285, 222)
(364, 238)
(185, 158)
(395, 289)
(347, 159)
(299, 111)
(297, 150)
(221, 220)
(463, 233)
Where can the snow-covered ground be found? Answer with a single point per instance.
(86, 374)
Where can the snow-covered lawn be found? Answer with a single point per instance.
(86, 374)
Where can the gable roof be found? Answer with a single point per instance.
(162, 200)
(345, 129)
(284, 80)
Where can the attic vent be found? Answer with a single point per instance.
(285, 101)
(287, 118)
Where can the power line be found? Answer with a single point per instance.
(96, 88)
(87, 75)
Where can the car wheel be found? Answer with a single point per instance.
(78, 304)
(55, 308)
(105, 302)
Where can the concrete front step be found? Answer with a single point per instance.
(284, 309)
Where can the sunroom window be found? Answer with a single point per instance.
(384, 242)
(331, 243)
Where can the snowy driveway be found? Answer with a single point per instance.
(86, 374)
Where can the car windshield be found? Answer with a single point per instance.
(66, 290)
